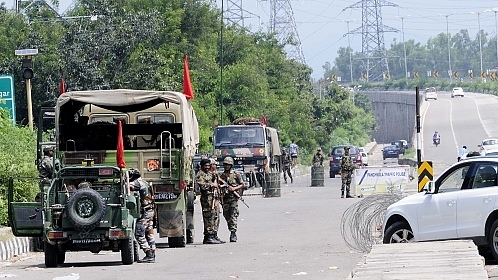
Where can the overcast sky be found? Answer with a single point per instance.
(322, 26)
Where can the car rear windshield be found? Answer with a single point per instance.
(339, 151)
(394, 148)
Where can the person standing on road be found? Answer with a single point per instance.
(347, 166)
(230, 200)
(294, 152)
(217, 199)
(286, 163)
(207, 183)
(318, 157)
(144, 232)
(461, 152)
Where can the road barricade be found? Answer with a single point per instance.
(381, 179)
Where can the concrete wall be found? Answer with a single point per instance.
(395, 112)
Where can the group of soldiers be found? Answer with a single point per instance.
(219, 189)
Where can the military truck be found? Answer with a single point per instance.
(88, 205)
(255, 148)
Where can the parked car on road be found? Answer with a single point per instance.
(391, 151)
(364, 156)
(461, 204)
(430, 93)
(458, 91)
(488, 145)
(336, 155)
(400, 145)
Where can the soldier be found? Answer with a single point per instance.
(347, 166)
(318, 157)
(45, 168)
(217, 199)
(145, 225)
(286, 162)
(207, 184)
(234, 183)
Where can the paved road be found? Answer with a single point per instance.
(296, 235)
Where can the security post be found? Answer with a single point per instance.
(27, 74)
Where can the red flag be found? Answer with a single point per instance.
(62, 86)
(120, 161)
(187, 85)
(263, 120)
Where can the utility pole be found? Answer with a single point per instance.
(350, 53)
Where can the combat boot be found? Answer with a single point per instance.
(233, 237)
(210, 239)
(348, 195)
(342, 194)
(217, 238)
(150, 257)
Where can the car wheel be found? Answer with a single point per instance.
(399, 232)
(127, 251)
(50, 255)
(85, 208)
(493, 239)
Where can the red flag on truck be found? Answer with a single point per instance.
(62, 86)
(263, 120)
(187, 85)
(120, 161)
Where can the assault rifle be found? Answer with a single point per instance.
(236, 193)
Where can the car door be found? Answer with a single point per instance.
(478, 200)
(437, 215)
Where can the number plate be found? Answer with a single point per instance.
(86, 241)
(165, 196)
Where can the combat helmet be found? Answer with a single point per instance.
(134, 173)
(228, 160)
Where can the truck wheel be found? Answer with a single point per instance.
(176, 242)
(61, 257)
(50, 255)
(85, 208)
(136, 248)
(127, 251)
(399, 232)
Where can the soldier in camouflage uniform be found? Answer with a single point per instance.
(207, 183)
(145, 225)
(217, 196)
(347, 166)
(318, 157)
(230, 201)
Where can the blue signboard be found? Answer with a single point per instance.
(7, 95)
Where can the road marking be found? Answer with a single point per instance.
(480, 118)
(451, 124)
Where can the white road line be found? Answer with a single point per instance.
(479, 115)
(451, 124)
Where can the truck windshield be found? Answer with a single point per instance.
(239, 136)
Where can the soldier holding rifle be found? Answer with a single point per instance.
(208, 184)
(233, 182)
(217, 199)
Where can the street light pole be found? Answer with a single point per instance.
(449, 49)
(479, 33)
(404, 45)
(350, 55)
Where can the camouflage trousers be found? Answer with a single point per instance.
(144, 232)
(210, 214)
(231, 211)
(287, 171)
(346, 180)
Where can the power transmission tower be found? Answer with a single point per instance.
(372, 31)
(235, 13)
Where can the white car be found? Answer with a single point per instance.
(430, 93)
(364, 156)
(488, 145)
(461, 204)
(458, 91)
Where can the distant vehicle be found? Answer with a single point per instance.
(364, 156)
(451, 207)
(391, 151)
(400, 145)
(458, 91)
(488, 145)
(430, 93)
(336, 155)
(405, 144)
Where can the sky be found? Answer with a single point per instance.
(322, 24)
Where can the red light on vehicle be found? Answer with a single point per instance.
(55, 234)
(225, 152)
(106, 171)
(116, 233)
(182, 185)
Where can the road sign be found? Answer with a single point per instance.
(425, 174)
(7, 95)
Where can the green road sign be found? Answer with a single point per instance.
(7, 95)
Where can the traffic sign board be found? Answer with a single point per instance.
(7, 95)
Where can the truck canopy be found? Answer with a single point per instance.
(128, 100)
